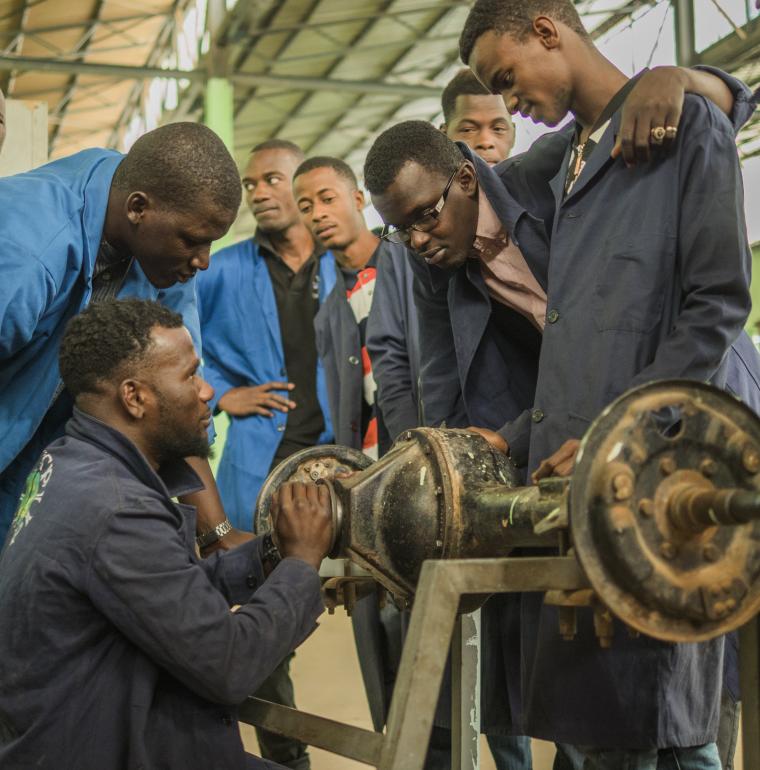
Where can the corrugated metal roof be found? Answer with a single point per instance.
(334, 72)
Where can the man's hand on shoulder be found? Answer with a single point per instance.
(257, 399)
(492, 437)
(652, 111)
(302, 515)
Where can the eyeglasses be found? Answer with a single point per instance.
(424, 224)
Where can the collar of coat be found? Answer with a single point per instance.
(172, 479)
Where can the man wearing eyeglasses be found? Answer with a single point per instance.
(417, 175)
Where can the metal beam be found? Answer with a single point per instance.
(81, 49)
(346, 19)
(411, 44)
(731, 51)
(684, 29)
(163, 38)
(119, 71)
(33, 31)
(294, 82)
(348, 741)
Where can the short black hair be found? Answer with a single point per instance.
(184, 165)
(339, 166)
(280, 144)
(413, 141)
(107, 337)
(514, 17)
(464, 83)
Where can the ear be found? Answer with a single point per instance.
(137, 204)
(359, 199)
(468, 179)
(443, 128)
(547, 31)
(135, 396)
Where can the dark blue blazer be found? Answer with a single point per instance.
(393, 340)
(472, 372)
(649, 277)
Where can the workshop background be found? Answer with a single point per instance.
(329, 75)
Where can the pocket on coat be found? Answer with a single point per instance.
(630, 290)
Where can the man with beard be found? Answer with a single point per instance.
(119, 647)
(257, 306)
(107, 225)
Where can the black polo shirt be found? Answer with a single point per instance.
(297, 298)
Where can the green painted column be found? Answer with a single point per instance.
(219, 116)
(218, 113)
(754, 315)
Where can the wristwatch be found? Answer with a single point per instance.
(214, 535)
(269, 551)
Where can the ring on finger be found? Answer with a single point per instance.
(671, 132)
(657, 134)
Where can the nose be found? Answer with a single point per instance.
(260, 193)
(511, 102)
(202, 259)
(205, 392)
(317, 213)
(485, 141)
(418, 241)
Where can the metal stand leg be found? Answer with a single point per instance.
(426, 648)
(465, 693)
(440, 587)
(749, 669)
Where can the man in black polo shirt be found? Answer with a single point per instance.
(257, 308)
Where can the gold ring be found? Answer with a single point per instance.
(657, 134)
(671, 132)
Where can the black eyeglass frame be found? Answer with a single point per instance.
(403, 234)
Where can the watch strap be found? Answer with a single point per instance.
(205, 539)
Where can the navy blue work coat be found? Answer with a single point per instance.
(648, 279)
(393, 340)
(52, 226)
(339, 347)
(473, 373)
(118, 649)
(242, 346)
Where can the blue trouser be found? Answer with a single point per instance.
(511, 752)
(693, 758)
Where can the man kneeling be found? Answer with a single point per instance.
(118, 647)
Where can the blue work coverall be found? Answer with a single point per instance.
(118, 649)
(53, 221)
(242, 346)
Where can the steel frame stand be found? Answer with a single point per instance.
(434, 628)
(434, 625)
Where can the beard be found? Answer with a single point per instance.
(174, 439)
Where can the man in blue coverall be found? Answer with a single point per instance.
(85, 228)
(668, 250)
(119, 647)
(257, 305)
